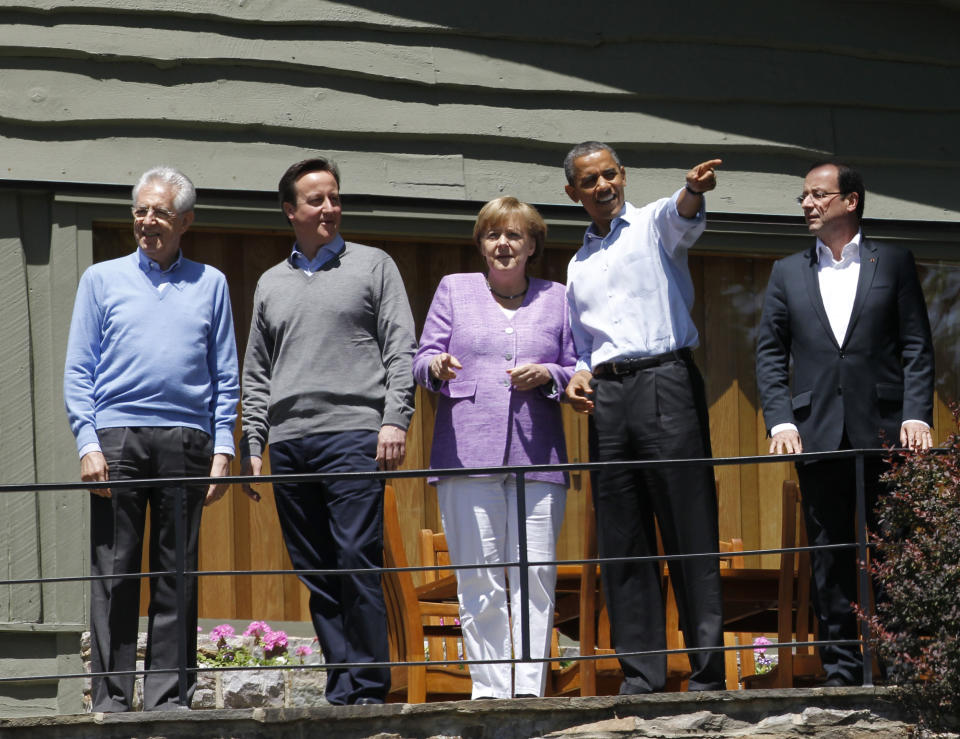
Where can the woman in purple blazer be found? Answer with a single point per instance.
(498, 350)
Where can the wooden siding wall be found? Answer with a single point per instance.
(439, 103)
(469, 101)
(238, 534)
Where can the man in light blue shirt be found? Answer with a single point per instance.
(151, 389)
(630, 293)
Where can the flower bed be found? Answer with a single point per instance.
(259, 645)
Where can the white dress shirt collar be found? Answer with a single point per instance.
(838, 283)
(851, 250)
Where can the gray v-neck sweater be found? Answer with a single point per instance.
(331, 351)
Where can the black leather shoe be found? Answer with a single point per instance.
(526, 695)
(368, 702)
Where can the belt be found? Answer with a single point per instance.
(635, 364)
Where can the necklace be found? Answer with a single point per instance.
(510, 297)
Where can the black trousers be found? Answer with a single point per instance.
(658, 413)
(829, 502)
(338, 525)
(116, 547)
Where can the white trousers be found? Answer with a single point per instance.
(480, 520)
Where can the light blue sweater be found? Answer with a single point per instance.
(139, 356)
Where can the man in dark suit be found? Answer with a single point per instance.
(851, 315)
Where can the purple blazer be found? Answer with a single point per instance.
(481, 420)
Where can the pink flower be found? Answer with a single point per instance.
(274, 643)
(219, 634)
(303, 651)
(257, 629)
(760, 646)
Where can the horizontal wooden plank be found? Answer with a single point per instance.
(263, 11)
(747, 184)
(224, 164)
(41, 96)
(757, 23)
(647, 69)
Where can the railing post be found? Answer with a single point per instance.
(863, 583)
(524, 567)
(180, 529)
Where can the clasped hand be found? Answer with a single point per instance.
(524, 377)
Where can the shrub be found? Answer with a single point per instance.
(917, 627)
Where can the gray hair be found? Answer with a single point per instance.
(581, 150)
(185, 194)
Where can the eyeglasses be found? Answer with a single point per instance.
(817, 195)
(161, 214)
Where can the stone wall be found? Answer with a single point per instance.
(819, 713)
(249, 688)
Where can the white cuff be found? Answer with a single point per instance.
(93, 446)
(783, 427)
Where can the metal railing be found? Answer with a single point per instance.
(181, 574)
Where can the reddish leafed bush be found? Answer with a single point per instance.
(916, 630)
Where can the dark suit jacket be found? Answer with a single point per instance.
(882, 373)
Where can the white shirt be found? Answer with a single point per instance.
(838, 283)
(630, 292)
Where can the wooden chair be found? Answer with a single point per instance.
(442, 632)
(410, 621)
(774, 601)
(730, 656)
(440, 585)
(596, 676)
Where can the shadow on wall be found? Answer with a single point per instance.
(745, 77)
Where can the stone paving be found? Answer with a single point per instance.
(828, 713)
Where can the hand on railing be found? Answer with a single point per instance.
(786, 442)
(916, 436)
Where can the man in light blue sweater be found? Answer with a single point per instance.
(151, 388)
(328, 375)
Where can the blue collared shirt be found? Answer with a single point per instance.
(157, 275)
(326, 253)
(630, 292)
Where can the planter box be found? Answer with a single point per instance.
(247, 688)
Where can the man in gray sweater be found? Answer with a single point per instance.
(327, 373)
